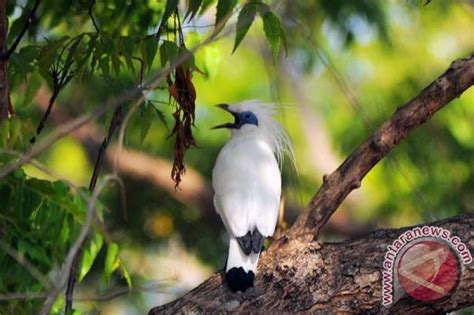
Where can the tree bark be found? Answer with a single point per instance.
(298, 274)
(295, 275)
(5, 105)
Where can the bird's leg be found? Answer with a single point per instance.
(245, 243)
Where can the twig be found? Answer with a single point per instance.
(91, 6)
(120, 291)
(27, 24)
(99, 297)
(114, 124)
(117, 119)
(72, 278)
(160, 27)
(60, 78)
(45, 115)
(23, 296)
(179, 28)
(142, 70)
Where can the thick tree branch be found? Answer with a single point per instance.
(4, 86)
(458, 78)
(299, 274)
(296, 275)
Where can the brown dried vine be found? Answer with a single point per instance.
(184, 93)
(181, 88)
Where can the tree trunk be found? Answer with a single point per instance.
(5, 105)
(299, 274)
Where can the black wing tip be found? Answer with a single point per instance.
(257, 241)
(245, 243)
(251, 242)
(239, 280)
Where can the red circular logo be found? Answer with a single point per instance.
(428, 270)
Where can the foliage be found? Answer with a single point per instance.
(62, 50)
(384, 52)
(31, 210)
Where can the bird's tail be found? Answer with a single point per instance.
(240, 269)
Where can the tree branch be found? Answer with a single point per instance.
(298, 274)
(6, 109)
(5, 104)
(22, 33)
(91, 15)
(115, 123)
(458, 78)
(305, 276)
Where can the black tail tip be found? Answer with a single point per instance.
(239, 280)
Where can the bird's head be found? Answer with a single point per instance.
(245, 117)
(256, 119)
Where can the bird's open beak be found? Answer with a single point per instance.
(226, 125)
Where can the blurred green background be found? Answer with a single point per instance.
(348, 66)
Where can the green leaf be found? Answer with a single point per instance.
(32, 86)
(47, 56)
(148, 49)
(190, 62)
(73, 50)
(205, 5)
(99, 50)
(87, 51)
(169, 9)
(223, 13)
(126, 274)
(168, 52)
(111, 261)
(244, 21)
(22, 62)
(193, 8)
(161, 116)
(115, 63)
(35, 252)
(146, 121)
(126, 45)
(89, 255)
(104, 66)
(273, 32)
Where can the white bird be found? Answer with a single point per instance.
(247, 184)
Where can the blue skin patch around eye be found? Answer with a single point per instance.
(245, 118)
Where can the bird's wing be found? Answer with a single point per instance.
(233, 213)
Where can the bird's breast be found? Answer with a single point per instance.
(246, 164)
